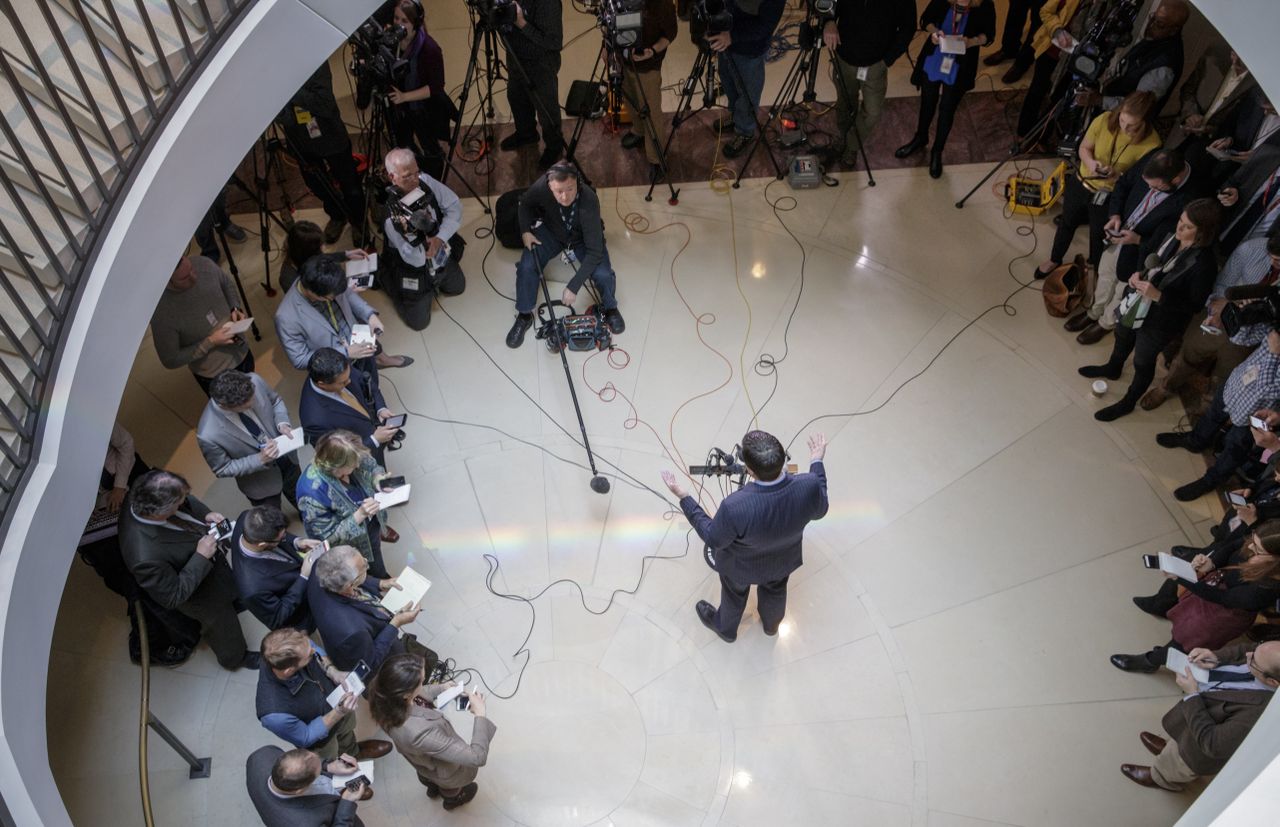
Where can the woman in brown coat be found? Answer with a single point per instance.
(402, 706)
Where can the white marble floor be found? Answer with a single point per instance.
(944, 655)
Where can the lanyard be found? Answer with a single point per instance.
(957, 21)
(1267, 204)
(1116, 153)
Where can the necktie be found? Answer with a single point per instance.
(1230, 676)
(251, 426)
(351, 400)
(368, 599)
(187, 524)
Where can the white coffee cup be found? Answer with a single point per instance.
(1099, 387)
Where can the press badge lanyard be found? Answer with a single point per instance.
(957, 28)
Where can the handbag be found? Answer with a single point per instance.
(1200, 623)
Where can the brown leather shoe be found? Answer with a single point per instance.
(1153, 398)
(1139, 774)
(1153, 743)
(369, 750)
(1092, 334)
(390, 535)
(1077, 322)
(367, 794)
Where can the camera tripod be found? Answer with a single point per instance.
(703, 74)
(493, 71)
(270, 162)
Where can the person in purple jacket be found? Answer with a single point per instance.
(755, 537)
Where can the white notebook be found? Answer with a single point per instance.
(395, 496)
(351, 683)
(240, 326)
(413, 588)
(1177, 663)
(362, 266)
(340, 781)
(1178, 566)
(362, 334)
(287, 445)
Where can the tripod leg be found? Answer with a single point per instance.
(1019, 148)
(774, 112)
(854, 106)
(642, 110)
(235, 275)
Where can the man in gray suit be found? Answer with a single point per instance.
(319, 311)
(295, 789)
(236, 434)
(755, 538)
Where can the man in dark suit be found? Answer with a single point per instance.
(337, 396)
(353, 624)
(1209, 724)
(271, 567)
(1252, 198)
(295, 789)
(755, 537)
(165, 542)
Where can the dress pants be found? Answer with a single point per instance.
(771, 602)
(342, 739)
(336, 182)
(527, 287)
(643, 91)
(1012, 42)
(219, 621)
(1146, 346)
(1204, 353)
(859, 103)
(1109, 289)
(414, 307)
(1078, 208)
(526, 110)
(743, 81)
(1038, 90)
(944, 100)
(289, 474)
(1236, 448)
(1169, 770)
(412, 129)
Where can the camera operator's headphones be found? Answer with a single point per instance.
(564, 168)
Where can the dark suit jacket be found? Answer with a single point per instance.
(302, 811)
(1248, 180)
(352, 630)
(165, 563)
(273, 590)
(1130, 189)
(320, 414)
(757, 531)
(1184, 290)
(1209, 727)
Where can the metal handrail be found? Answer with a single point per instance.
(45, 241)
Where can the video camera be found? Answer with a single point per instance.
(1249, 305)
(708, 17)
(621, 21)
(497, 15)
(374, 61)
(414, 214)
(1110, 32)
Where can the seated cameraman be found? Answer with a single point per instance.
(421, 250)
(559, 213)
(741, 65)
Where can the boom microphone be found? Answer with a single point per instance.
(1247, 292)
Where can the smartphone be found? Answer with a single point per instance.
(1260, 424)
(361, 671)
(354, 784)
(1151, 561)
(463, 703)
(220, 530)
(390, 483)
(396, 421)
(361, 281)
(1236, 499)
(1114, 233)
(1211, 330)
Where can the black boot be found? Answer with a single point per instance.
(913, 146)
(935, 164)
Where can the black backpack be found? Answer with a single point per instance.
(506, 222)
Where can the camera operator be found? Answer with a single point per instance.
(316, 135)
(534, 94)
(741, 64)
(755, 537)
(414, 270)
(1153, 64)
(642, 77)
(421, 108)
(560, 214)
(865, 37)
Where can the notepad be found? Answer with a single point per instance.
(1178, 567)
(288, 444)
(951, 44)
(395, 496)
(1177, 663)
(340, 781)
(362, 334)
(351, 683)
(445, 697)
(413, 587)
(240, 326)
(362, 266)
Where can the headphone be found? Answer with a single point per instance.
(563, 168)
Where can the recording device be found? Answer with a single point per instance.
(498, 15)
(1151, 561)
(621, 22)
(722, 464)
(464, 702)
(374, 61)
(365, 281)
(396, 421)
(221, 530)
(1093, 53)
(362, 671)
(414, 214)
(354, 784)
(1250, 304)
(577, 332)
(1236, 499)
(709, 17)
(390, 483)
(1260, 424)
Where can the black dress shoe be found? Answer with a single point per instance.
(1193, 490)
(631, 140)
(707, 614)
(935, 164)
(464, 795)
(1176, 439)
(996, 58)
(523, 322)
(615, 321)
(1139, 774)
(553, 153)
(1153, 605)
(1015, 73)
(1077, 322)
(770, 630)
(251, 660)
(1154, 743)
(1114, 412)
(515, 140)
(1133, 663)
(1092, 334)
(1099, 372)
(911, 147)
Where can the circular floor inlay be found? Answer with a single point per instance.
(569, 748)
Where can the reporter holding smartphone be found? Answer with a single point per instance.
(446, 764)
(296, 789)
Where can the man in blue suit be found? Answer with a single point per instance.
(755, 537)
(271, 567)
(353, 623)
(337, 396)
